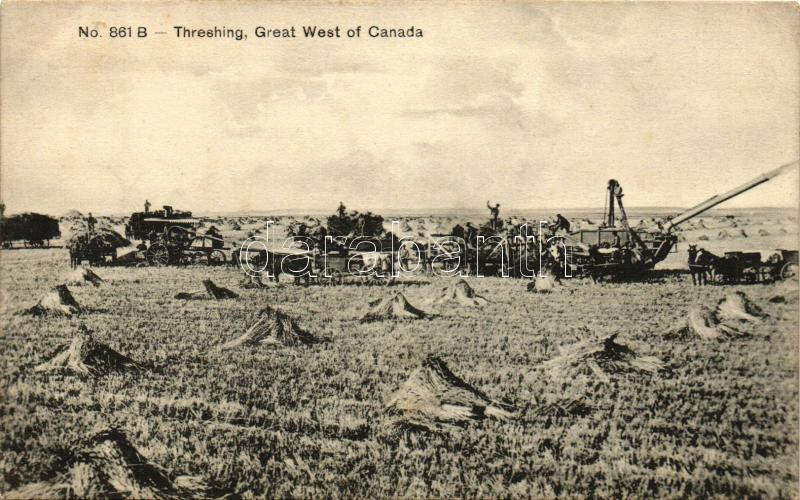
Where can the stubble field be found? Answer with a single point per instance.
(720, 419)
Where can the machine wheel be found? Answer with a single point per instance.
(158, 255)
(789, 270)
(334, 279)
(216, 258)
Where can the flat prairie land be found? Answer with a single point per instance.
(721, 418)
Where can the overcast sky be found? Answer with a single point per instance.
(528, 105)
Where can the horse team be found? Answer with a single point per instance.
(704, 265)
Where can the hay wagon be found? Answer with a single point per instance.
(782, 264)
(749, 266)
(98, 245)
(493, 257)
(447, 253)
(98, 252)
(318, 268)
(742, 266)
(33, 230)
(334, 268)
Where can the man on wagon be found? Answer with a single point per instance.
(562, 223)
(495, 214)
(90, 222)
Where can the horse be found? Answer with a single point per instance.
(75, 256)
(728, 267)
(700, 272)
(78, 250)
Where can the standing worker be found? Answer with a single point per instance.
(90, 221)
(562, 223)
(495, 214)
(146, 206)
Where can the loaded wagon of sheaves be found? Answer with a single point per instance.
(754, 267)
(33, 230)
(336, 268)
(317, 267)
(98, 245)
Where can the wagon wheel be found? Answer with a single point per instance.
(158, 255)
(789, 270)
(335, 278)
(216, 258)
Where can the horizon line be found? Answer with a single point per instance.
(378, 211)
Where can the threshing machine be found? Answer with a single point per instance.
(618, 249)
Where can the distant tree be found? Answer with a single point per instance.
(2, 209)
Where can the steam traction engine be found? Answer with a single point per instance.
(171, 237)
